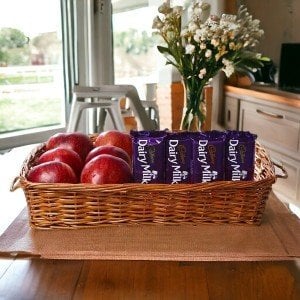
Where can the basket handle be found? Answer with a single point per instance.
(284, 174)
(15, 184)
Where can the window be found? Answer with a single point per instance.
(67, 42)
(32, 95)
(135, 54)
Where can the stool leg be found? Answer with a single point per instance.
(115, 114)
(102, 118)
(75, 114)
(156, 112)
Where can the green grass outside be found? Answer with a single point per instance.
(28, 108)
(29, 113)
(25, 79)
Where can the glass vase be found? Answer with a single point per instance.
(194, 111)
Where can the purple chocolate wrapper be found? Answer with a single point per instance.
(208, 156)
(240, 155)
(178, 158)
(148, 156)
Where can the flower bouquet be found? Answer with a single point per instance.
(202, 46)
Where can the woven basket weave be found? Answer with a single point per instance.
(88, 205)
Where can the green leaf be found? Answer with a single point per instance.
(163, 50)
(265, 58)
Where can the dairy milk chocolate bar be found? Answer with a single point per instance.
(240, 155)
(148, 156)
(208, 156)
(178, 158)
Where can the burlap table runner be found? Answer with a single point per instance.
(277, 238)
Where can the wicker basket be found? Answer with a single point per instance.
(88, 205)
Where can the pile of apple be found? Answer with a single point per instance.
(74, 158)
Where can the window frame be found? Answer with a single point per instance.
(19, 138)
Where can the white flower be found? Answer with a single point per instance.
(198, 35)
(202, 73)
(228, 70)
(228, 67)
(184, 32)
(225, 61)
(202, 46)
(192, 27)
(205, 6)
(255, 23)
(215, 42)
(177, 10)
(165, 8)
(189, 49)
(208, 53)
(246, 44)
(232, 46)
(201, 11)
(157, 23)
(227, 20)
(200, 31)
(197, 11)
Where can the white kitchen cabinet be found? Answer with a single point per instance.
(275, 117)
(231, 113)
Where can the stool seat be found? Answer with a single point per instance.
(107, 99)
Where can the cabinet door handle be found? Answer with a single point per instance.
(268, 114)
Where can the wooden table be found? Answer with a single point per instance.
(35, 278)
(55, 279)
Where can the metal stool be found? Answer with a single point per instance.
(107, 98)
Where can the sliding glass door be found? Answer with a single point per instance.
(136, 58)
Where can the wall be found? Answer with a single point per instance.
(280, 20)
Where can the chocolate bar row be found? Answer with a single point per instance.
(192, 157)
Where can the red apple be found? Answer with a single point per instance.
(52, 172)
(65, 155)
(106, 168)
(108, 149)
(76, 141)
(115, 138)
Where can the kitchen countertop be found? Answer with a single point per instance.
(265, 92)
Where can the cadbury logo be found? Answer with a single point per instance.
(147, 173)
(176, 157)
